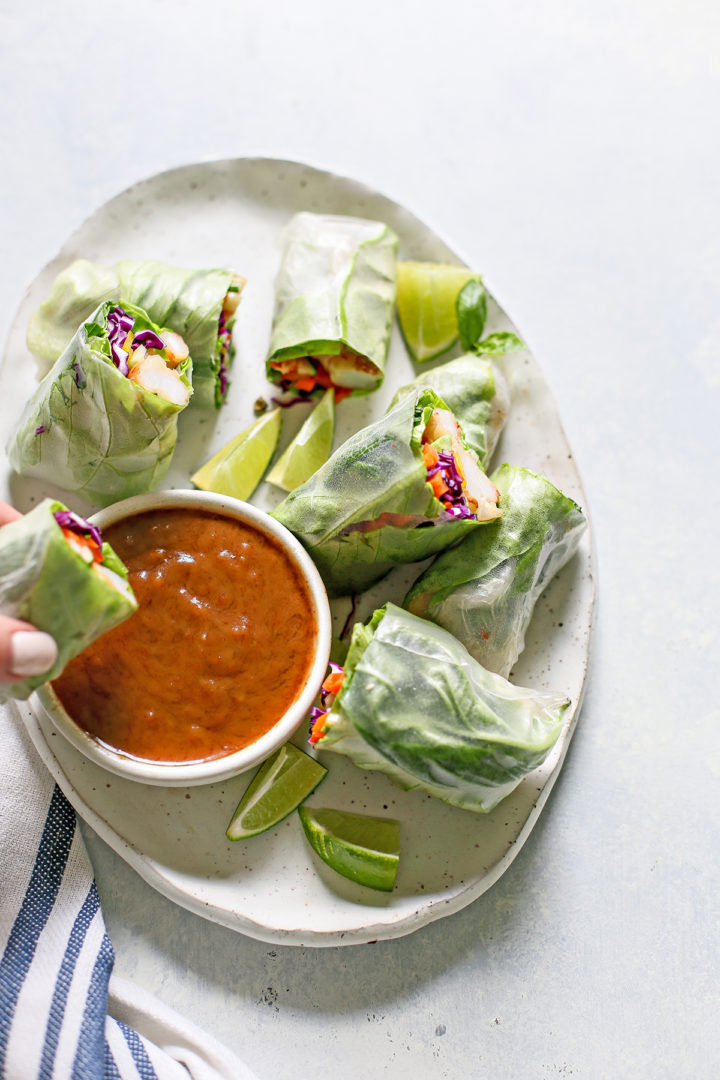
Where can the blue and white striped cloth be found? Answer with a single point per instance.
(63, 1015)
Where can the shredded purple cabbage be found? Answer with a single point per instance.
(119, 325)
(80, 379)
(314, 718)
(456, 511)
(225, 339)
(149, 339)
(454, 501)
(39, 430)
(66, 519)
(450, 473)
(304, 399)
(223, 380)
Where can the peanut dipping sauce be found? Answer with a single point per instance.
(219, 648)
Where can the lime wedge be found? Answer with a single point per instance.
(239, 466)
(278, 787)
(364, 849)
(426, 298)
(309, 449)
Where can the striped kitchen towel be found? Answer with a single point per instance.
(63, 1015)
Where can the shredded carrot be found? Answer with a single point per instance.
(87, 541)
(341, 392)
(317, 729)
(334, 681)
(307, 382)
(438, 485)
(430, 456)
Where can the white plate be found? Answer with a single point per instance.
(272, 887)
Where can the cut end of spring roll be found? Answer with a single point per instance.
(387, 496)
(476, 391)
(103, 421)
(481, 495)
(484, 590)
(334, 302)
(198, 305)
(58, 574)
(412, 703)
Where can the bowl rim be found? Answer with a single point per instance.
(172, 774)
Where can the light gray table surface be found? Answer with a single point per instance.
(572, 150)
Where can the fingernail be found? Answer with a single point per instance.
(31, 652)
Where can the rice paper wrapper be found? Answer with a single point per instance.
(416, 706)
(46, 583)
(370, 508)
(336, 287)
(189, 302)
(89, 429)
(484, 590)
(476, 391)
(75, 294)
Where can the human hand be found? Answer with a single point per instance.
(24, 650)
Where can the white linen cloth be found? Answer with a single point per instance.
(63, 1015)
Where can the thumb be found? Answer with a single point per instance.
(24, 651)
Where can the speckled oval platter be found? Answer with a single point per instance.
(272, 887)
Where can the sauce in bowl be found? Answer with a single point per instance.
(221, 645)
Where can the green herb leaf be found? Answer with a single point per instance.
(471, 308)
(499, 344)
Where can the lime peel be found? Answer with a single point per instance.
(426, 304)
(239, 466)
(309, 449)
(278, 787)
(362, 848)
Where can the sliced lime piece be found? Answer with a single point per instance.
(239, 466)
(362, 848)
(426, 297)
(278, 787)
(309, 449)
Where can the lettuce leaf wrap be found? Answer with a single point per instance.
(374, 504)
(485, 589)
(199, 305)
(57, 574)
(334, 304)
(415, 705)
(477, 393)
(103, 421)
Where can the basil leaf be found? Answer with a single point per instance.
(499, 344)
(471, 308)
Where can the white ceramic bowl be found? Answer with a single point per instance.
(205, 772)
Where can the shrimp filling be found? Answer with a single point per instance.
(453, 472)
(146, 358)
(343, 373)
(456, 479)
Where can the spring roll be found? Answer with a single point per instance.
(396, 492)
(334, 303)
(103, 421)
(484, 590)
(57, 574)
(412, 703)
(200, 305)
(476, 391)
